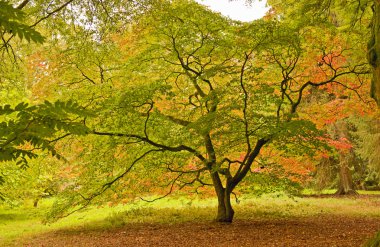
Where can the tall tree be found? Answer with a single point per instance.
(346, 159)
(374, 51)
(200, 89)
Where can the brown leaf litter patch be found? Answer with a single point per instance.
(316, 231)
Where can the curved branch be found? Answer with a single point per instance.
(155, 144)
(331, 80)
(247, 56)
(246, 167)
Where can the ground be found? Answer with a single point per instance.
(268, 220)
(311, 231)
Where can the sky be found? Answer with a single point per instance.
(237, 9)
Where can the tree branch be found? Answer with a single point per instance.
(155, 144)
(22, 4)
(245, 168)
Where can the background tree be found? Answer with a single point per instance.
(351, 21)
(350, 16)
(365, 135)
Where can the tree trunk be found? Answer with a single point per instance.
(225, 210)
(346, 158)
(346, 184)
(325, 173)
(374, 52)
(35, 202)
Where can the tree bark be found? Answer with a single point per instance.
(325, 173)
(346, 184)
(374, 52)
(225, 210)
(346, 158)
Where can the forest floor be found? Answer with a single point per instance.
(314, 231)
(264, 221)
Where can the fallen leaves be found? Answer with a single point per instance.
(326, 230)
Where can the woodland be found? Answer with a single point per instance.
(106, 105)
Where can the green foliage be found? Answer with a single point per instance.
(43, 179)
(12, 21)
(365, 132)
(28, 130)
(299, 137)
(336, 12)
(261, 183)
(35, 125)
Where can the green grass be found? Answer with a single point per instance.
(25, 221)
(331, 192)
(373, 242)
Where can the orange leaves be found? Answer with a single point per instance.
(296, 169)
(342, 144)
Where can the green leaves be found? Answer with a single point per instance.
(203, 124)
(11, 21)
(299, 137)
(6, 109)
(29, 128)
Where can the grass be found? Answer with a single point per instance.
(374, 242)
(331, 192)
(25, 221)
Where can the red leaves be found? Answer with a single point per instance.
(342, 144)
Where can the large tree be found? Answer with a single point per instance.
(181, 90)
(202, 95)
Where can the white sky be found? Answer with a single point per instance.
(237, 9)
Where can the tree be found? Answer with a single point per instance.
(351, 16)
(200, 89)
(374, 51)
(346, 159)
(179, 90)
(365, 134)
